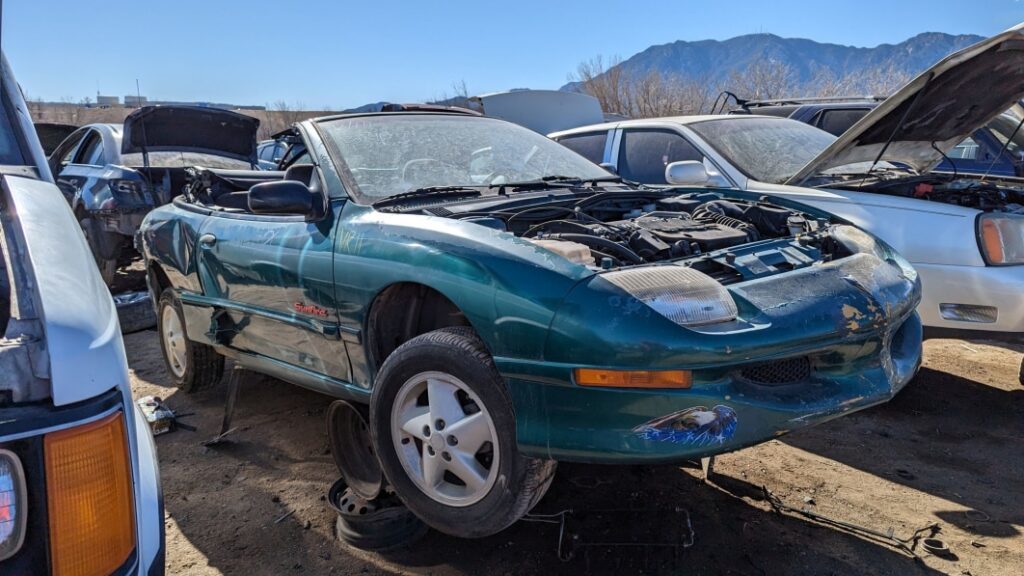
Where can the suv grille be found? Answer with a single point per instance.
(788, 371)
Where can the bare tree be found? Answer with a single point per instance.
(764, 80)
(279, 116)
(607, 83)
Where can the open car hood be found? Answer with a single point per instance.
(943, 105)
(190, 129)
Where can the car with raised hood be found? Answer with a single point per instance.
(501, 303)
(113, 174)
(963, 233)
(995, 150)
(79, 486)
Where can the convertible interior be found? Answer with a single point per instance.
(228, 190)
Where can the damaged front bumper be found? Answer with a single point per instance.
(808, 346)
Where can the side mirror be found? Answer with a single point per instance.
(284, 197)
(686, 173)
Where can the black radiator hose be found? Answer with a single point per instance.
(603, 244)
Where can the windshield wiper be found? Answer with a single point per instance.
(556, 181)
(428, 191)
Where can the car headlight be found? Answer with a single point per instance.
(683, 295)
(13, 507)
(1001, 238)
(859, 241)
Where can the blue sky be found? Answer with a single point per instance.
(335, 54)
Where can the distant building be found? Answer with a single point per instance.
(107, 100)
(132, 101)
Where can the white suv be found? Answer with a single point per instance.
(79, 486)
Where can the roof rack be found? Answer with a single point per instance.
(810, 100)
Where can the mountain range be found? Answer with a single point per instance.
(715, 61)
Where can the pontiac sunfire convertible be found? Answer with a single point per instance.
(501, 303)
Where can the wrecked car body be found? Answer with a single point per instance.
(113, 175)
(501, 304)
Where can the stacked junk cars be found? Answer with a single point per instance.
(484, 302)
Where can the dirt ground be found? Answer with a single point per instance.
(949, 449)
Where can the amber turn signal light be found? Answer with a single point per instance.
(634, 378)
(89, 494)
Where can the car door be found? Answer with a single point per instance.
(593, 146)
(271, 278)
(80, 179)
(61, 158)
(644, 152)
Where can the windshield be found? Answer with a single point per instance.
(765, 149)
(391, 154)
(1002, 128)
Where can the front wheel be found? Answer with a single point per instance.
(445, 434)
(191, 365)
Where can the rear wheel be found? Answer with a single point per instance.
(192, 366)
(445, 433)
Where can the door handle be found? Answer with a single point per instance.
(207, 240)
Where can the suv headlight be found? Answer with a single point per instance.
(13, 507)
(1001, 238)
(683, 295)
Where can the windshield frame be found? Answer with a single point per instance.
(728, 158)
(351, 184)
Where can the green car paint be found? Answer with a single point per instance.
(293, 298)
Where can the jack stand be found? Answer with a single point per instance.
(708, 466)
(234, 379)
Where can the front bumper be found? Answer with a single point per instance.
(1000, 287)
(849, 326)
(558, 420)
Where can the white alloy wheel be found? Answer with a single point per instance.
(445, 439)
(174, 341)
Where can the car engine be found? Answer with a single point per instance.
(986, 196)
(727, 238)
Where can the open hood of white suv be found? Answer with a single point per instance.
(934, 111)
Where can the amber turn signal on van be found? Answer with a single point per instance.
(89, 497)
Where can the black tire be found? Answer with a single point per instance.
(97, 240)
(379, 524)
(522, 481)
(203, 366)
(135, 311)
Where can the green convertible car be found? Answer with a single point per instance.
(501, 303)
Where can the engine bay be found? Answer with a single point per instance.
(727, 238)
(987, 196)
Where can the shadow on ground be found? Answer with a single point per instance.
(955, 438)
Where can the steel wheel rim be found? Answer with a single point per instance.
(174, 341)
(445, 439)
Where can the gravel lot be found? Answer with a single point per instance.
(949, 449)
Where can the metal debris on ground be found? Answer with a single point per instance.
(160, 418)
(234, 379)
(908, 545)
(580, 531)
